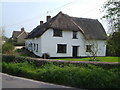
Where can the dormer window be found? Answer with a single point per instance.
(74, 34)
(57, 32)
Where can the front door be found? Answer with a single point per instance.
(75, 51)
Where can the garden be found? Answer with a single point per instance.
(99, 59)
(79, 76)
(19, 63)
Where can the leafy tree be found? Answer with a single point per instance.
(7, 48)
(112, 9)
(112, 15)
(4, 38)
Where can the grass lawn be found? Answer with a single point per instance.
(102, 59)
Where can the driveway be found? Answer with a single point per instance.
(9, 81)
(18, 47)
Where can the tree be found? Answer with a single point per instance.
(112, 15)
(113, 44)
(92, 49)
(112, 9)
(2, 35)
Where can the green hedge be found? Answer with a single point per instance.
(37, 62)
(18, 44)
(75, 76)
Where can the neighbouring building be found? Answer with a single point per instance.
(66, 36)
(19, 36)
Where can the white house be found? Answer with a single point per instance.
(66, 36)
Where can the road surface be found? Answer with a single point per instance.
(9, 81)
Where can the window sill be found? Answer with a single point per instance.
(61, 52)
(74, 38)
(57, 36)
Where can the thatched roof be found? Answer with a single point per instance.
(15, 34)
(90, 28)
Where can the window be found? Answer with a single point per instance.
(30, 46)
(36, 47)
(88, 48)
(57, 32)
(74, 34)
(61, 48)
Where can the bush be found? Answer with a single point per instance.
(18, 44)
(24, 52)
(13, 58)
(46, 56)
(7, 48)
(80, 77)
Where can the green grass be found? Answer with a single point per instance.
(76, 76)
(101, 59)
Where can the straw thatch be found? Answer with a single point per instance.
(90, 28)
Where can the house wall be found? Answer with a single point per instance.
(47, 43)
(31, 47)
(99, 47)
(27, 44)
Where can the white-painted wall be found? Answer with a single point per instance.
(47, 43)
(99, 46)
(34, 41)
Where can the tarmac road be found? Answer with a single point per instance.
(9, 81)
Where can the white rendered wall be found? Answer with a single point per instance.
(99, 46)
(37, 41)
(34, 41)
(47, 43)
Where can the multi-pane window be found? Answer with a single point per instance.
(88, 48)
(74, 34)
(61, 48)
(57, 32)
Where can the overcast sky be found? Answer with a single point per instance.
(28, 14)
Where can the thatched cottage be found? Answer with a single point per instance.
(66, 36)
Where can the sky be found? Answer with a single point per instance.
(29, 13)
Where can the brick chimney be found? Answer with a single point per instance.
(22, 29)
(41, 22)
(48, 18)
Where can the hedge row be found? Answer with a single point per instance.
(18, 44)
(79, 77)
(39, 62)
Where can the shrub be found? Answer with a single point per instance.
(18, 44)
(7, 48)
(80, 77)
(46, 56)
(8, 58)
(24, 52)
(13, 58)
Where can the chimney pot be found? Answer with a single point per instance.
(41, 22)
(48, 18)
